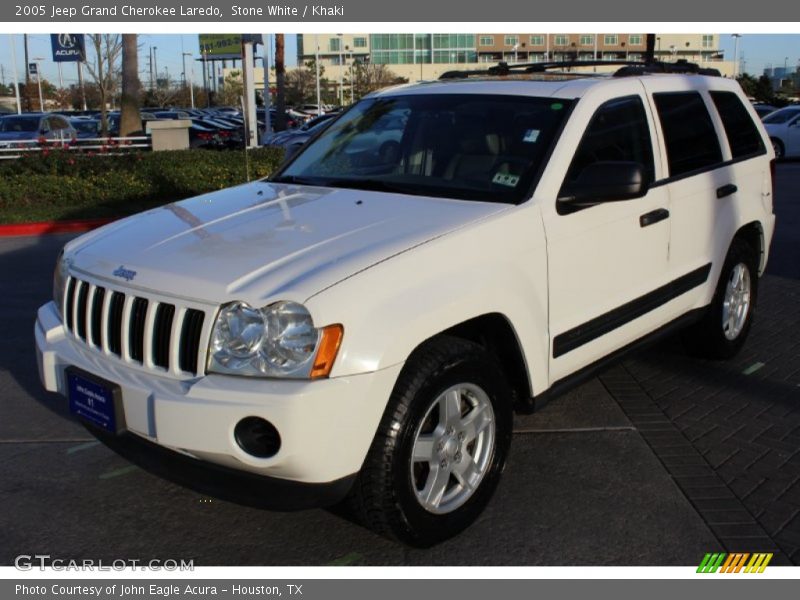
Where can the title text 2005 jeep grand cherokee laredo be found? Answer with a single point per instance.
(361, 325)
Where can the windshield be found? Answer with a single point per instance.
(465, 146)
(782, 115)
(18, 124)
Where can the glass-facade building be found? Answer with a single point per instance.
(413, 48)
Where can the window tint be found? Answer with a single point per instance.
(743, 136)
(689, 134)
(618, 131)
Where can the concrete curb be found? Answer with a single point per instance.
(45, 227)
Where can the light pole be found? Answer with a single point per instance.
(736, 37)
(190, 79)
(39, 81)
(316, 66)
(155, 64)
(14, 69)
(341, 70)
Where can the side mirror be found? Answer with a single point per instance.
(606, 181)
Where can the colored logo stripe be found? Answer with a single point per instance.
(735, 562)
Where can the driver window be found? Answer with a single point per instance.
(618, 131)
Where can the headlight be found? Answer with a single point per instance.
(60, 275)
(279, 340)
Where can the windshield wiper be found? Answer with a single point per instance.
(290, 179)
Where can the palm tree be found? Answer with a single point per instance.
(130, 121)
(280, 81)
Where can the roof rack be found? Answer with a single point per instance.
(628, 68)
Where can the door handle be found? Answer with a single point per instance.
(653, 217)
(726, 190)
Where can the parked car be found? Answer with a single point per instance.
(35, 126)
(783, 127)
(86, 128)
(204, 137)
(762, 110)
(361, 326)
(291, 140)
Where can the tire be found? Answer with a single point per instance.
(724, 328)
(778, 147)
(424, 500)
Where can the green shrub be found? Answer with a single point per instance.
(62, 184)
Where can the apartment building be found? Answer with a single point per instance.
(422, 56)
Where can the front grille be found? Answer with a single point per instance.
(158, 335)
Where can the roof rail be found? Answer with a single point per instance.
(628, 68)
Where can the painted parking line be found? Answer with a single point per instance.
(347, 559)
(80, 447)
(752, 368)
(574, 429)
(119, 472)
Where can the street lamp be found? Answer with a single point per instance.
(190, 79)
(341, 71)
(736, 37)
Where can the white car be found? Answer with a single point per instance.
(361, 326)
(783, 128)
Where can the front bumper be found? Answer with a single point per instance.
(326, 426)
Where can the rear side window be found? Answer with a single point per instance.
(743, 136)
(689, 134)
(618, 131)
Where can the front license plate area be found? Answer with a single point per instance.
(95, 401)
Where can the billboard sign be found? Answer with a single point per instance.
(223, 46)
(68, 47)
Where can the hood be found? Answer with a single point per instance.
(265, 241)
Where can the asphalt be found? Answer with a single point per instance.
(587, 483)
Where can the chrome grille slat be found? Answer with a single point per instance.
(138, 330)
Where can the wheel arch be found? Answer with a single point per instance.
(753, 234)
(496, 334)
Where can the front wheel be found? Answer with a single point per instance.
(724, 328)
(441, 445)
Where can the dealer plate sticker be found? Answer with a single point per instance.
(93, 402)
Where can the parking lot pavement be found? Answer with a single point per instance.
(658, 461)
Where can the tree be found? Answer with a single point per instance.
(301, 84)
(103, 71)
(370, 77)
(748, 83)
(130, 120)
(764, 91)
(280, 83)
(232, 91)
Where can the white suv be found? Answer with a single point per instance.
(361, 325)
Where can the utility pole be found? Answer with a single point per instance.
(27, 73)
(267, 95)
(155, 64)
(316, 65)
(736, 37)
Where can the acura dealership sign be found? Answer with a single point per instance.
(68, 47)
